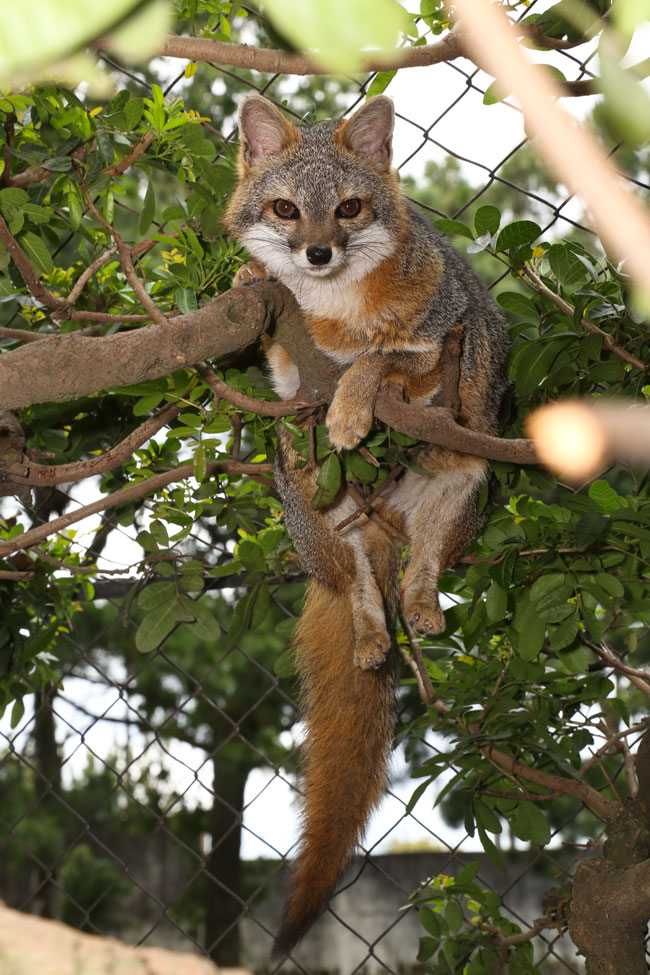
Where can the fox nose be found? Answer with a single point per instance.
(319, 254)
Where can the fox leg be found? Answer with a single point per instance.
(440, 522)
(340, 560)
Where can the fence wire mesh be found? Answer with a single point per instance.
(120, 818)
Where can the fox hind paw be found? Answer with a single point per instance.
(424, 616)
(371, 646)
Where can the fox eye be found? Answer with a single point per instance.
(349, 208)
(286, 210)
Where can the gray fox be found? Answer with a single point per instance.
(320, 209)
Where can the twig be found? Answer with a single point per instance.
(28, 274)
(88, 273)
(416, 664)
(128, 493)
(126, 260)
(630, 768)
(116, 169)
(607, 777)
(536, 284)
(368, 502)
(22, 335)
(639, 678)
(282, 62)
(615, 742)
(365, 507)
(248, 403)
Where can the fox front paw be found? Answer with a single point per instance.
(347, 424)
(250, 273)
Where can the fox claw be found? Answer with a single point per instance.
(250, 273)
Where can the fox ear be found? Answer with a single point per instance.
(263, 131)
(370, 130)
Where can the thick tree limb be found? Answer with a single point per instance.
(271, 61)
(65, 367)
(69, 366)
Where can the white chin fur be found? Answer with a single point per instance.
(367, 249)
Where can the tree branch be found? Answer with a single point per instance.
(27, 472)
(28, 274)
(534, 282)
(68, 366)
(268, 60)
(272, 61)
(128, 493)
(222, 390)
(64, 367)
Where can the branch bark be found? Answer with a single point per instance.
(271, 61)
(65, 367)
(69, 366)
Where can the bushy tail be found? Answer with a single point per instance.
(349, 716)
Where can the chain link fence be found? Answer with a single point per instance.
(143, 799)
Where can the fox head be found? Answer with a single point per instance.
(316, 202)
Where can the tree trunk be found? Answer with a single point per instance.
(610, 902)
(48, 764)
(224, 907)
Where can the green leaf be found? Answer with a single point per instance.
(493, 94)
(37, 252)
(328, 482)
(251, 555)
(605, 496)
(133, 111)
(454, 916)
(563, 635)
(454, 227)
(590, 528)
(157, 624)
(487, 220)
(529, 823)
(610, 584)
(332, 31)
(518, 233)
(17, 712)
(517, 303)
(430, 921)
(200, 463)
(186, 300)
(11, 197)
(485, 816)
(496, 602)
(545, 584)
(203, 623)
(148, 208)
(380, 83)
